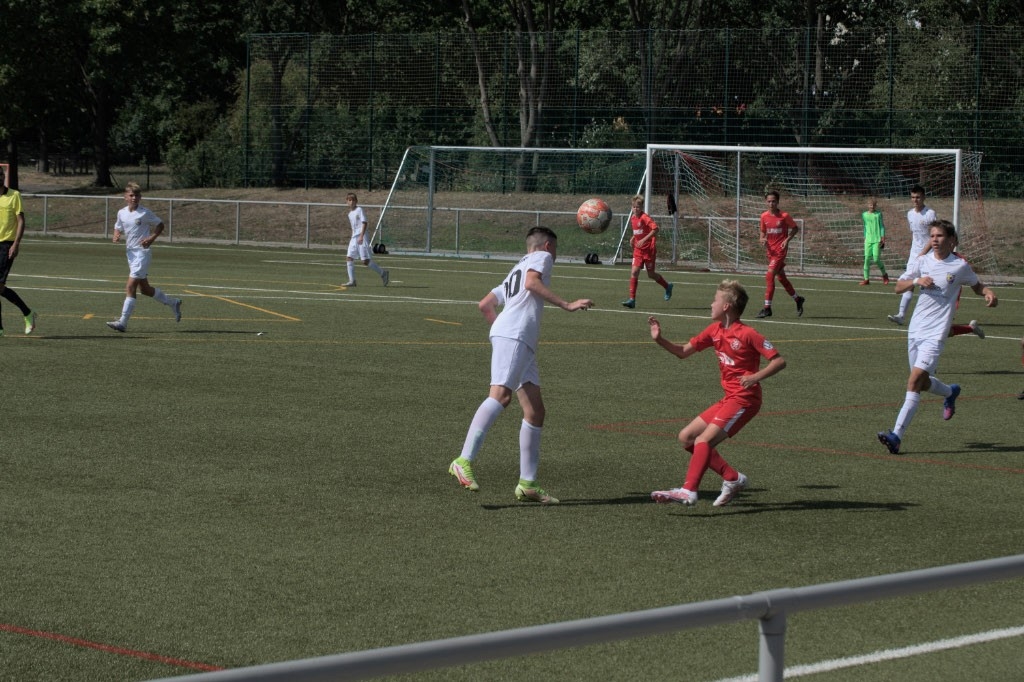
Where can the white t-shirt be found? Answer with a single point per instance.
(136, 225)
(919, 223)
(357, 219)
(936, 304)
(521, 312)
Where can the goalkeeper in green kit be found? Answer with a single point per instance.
(874, 242)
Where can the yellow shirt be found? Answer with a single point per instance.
(10, 208)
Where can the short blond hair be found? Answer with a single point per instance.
(133, 188)
(735, 295)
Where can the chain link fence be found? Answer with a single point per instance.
(323, 110)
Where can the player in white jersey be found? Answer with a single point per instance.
(359, 244)
(940, 273)
(514, 335)
(140, 228)
(919, 217)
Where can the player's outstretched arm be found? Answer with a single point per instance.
(580, 304)
(535, 285)
(675, 349)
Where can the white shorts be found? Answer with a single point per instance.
(357, 251)
(924, 354)
(138, 262)
(512, 364)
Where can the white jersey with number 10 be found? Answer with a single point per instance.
(521, 310)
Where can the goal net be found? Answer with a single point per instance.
(719, 192)
(481, 201)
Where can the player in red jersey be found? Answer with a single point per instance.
(645, 251)
(739, 349)
(777, 229)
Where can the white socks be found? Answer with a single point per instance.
(905, 302)
(160, 296)
(488, 412)
(910, 404)
(939, 388)
(529, 451)
(127, 309)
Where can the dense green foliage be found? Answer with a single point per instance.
(90, 82)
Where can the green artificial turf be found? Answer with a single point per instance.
(267, 480)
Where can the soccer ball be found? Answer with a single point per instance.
(594, 216)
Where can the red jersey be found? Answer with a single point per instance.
(776, 229)
(643, 226)
(739, 349)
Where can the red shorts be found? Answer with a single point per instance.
(776, 261)
(730, 414)
(640, 258)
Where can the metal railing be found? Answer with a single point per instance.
(94, 225)
(770, 608)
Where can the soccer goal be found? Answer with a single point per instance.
(481, 201)
(719, 193)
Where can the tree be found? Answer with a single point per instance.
(533, 45)
(41, 94)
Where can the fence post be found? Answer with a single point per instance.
(771, 656)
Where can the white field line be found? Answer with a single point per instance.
(889, 654)
(361, 296)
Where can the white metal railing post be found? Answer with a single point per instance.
(739, 205)
(431, 187)
(710, 242)
(106, 217)
(238, 222)
(802, 233)
(769, 607)
(458, 224)
(771, 654)
(675, 216)
(45, 212)
(170, 220)
(307, 226)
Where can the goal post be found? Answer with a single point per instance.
(481, 201)
(719, 191)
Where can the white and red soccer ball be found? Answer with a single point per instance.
(594, 216)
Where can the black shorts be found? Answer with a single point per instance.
(5, 262)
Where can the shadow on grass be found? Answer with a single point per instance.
(89, 337)
(221, 331)
(632, 498)
(740, 506)
(992, 372)
(746, 506)
(988, 447)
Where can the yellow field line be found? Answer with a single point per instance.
(430, 319)
(244, 305)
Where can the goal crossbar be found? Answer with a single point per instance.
(868, 151)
